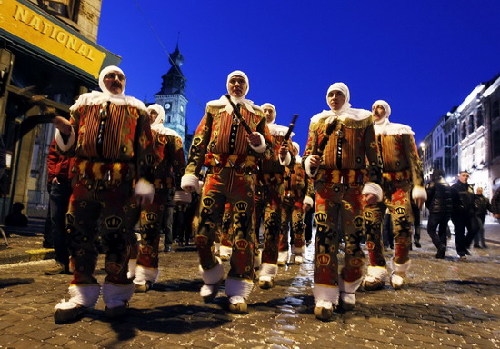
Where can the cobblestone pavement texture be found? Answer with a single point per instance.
(446, 304)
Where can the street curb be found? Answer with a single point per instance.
(28, 256)
(492, 241)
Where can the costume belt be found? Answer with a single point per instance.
(102, 175)
(239, 162)
(272, 178)
(164, 183)
(342, 176)
(397, 176)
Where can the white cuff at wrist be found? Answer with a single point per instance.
(260, 148)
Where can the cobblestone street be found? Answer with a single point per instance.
(447, 304)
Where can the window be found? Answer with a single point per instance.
(63, 8)
(479, 117)
(464, 130)
(471, 123)
(496, 145)
(496, 110)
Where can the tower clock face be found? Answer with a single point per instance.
(168, 106)
(182, 109)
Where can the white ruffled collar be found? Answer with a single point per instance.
(346, 112)
(98, 98)
(223, 101)
(385, 127)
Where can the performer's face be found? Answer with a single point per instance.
(237, 86)
(152, 116)
(269, 113)
(378, 112)
(336, 99)
(114, 82)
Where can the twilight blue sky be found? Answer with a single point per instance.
(422, 57)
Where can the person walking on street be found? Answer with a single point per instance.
(342, 156)
(495, 203)
(110, 137)
(464, 214)
(168, 170)
(403, 183)
(297, 190)
(228, 141)
(440, 205)
(58, 166)
(482, 207)
(272, 174)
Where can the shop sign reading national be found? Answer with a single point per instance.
(36, 28)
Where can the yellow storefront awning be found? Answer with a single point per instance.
(29, 26)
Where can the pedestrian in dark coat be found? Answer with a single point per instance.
(482, 207)
(440, 205)
(464, 214)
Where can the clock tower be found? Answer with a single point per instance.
(171, 95)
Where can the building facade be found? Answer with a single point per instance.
(468, 138)
(49, 50)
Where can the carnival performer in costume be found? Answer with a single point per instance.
(402, 180)
(110, 137)
(341, 153)
(292, 219)
(168, 169)
(272, 176)
(223, 143)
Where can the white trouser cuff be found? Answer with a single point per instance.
(401, 268)
(299, 250)
(143, 274)
(86, 295)
(238, 287)
(236, 300)
(283, 256)
(213, 275)
(132, 264)
(349, 287)
(257, 259)
(324, 304)
(115, 295)
(375, 273)
(326, 293)
(267, 269)
(226, 250)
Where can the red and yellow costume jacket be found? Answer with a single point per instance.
(111, 139)
(399, 153)
(221, 141)
(169, 163)
(351, 155)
